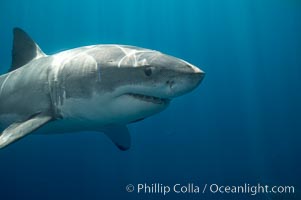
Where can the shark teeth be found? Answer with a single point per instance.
(151, 99)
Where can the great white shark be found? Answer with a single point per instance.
(93, 88)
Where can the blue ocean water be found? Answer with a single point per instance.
(242, 125)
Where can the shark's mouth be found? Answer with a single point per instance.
(152, 99)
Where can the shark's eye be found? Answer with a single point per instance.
(148, 71)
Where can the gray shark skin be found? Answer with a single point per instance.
(93, 88)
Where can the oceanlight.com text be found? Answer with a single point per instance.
(213, 188)
(251, 189)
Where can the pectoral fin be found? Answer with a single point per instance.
(119, 135)
(20, 129)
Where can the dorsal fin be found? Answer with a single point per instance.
(24, 49)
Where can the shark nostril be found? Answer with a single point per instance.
(170, 83)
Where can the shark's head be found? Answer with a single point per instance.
(143, 82)
(133, 83)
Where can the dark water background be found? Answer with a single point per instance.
(242, 125)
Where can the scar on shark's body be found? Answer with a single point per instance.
(94, 88)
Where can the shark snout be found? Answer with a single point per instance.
(198, 74)
(197, 77)
(196, 70)
(184, 82)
